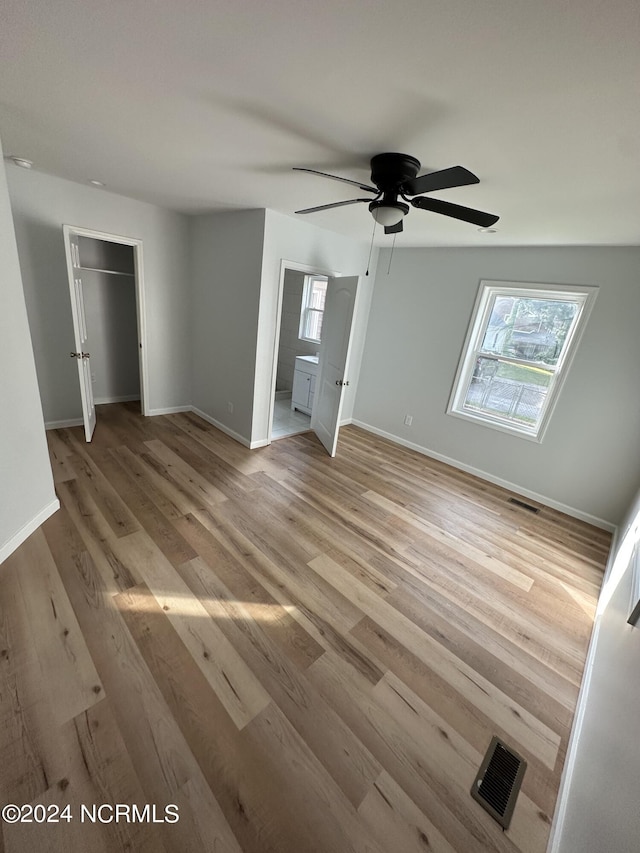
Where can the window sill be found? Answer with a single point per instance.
(501, 426)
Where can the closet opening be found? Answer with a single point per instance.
(107, 299)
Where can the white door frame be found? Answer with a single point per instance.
(297, 267)
(140, 300)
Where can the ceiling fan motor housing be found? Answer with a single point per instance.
(390, 171)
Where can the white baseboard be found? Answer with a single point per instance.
(283, 395)
(26, 531)
(263, 442)
(100, 401)
(498, 481)
(171, 410)
(225, 429)
(72, 422)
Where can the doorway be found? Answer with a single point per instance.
(298, 352)
(107, 298)
(311, 354)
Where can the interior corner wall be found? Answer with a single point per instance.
(28, 496)
(598, 803)
(41, 205)
(226, 256)
(588, 460)
(289, 239)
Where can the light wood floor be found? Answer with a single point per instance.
(305, 655)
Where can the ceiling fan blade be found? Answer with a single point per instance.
(335, 204)
(456, 176)
(336, 178)
(393, 229)
(466, 214)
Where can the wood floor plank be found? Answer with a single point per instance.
(156, 747)
(397, 822)
(150, 517)
(66, 668)
(301, 653)
(258, 800)
(509, 632)
(453, 544)
(189, 478)
(333, 744)
(80, 526)
(462, 714)
(107, 499)
(403, 757)
(288, 634)
(93, 767)
(23, 774)
(327, 630)
(455, 759)
(218, 443)
(522, 725)
(233, 682)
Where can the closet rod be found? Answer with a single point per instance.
(109, 272)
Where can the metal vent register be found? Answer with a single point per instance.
(498, 781)
(524, 505)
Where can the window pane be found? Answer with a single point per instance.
(531, 329)
(510, 392)
(314, 325)
(317, 294)
(314, 295)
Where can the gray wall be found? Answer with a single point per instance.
(226, 253)
(41, 205)
(26, 484)
(588, 460)
(598, 807)
(290, 345)
(111, 315)
(110, 310)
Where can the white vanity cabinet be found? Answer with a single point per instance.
(304, 383)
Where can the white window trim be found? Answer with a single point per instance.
(305, 309)
(584, 295)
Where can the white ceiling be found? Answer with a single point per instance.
(207, 104)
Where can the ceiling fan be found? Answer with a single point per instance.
(396, 175)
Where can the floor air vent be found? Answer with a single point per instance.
(524, 505)
(498, 781)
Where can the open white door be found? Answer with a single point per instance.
(334, 359)
(81, 353)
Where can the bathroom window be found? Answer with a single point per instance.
(312, 309)
(521, 340)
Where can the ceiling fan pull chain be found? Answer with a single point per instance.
(393, 245)
(371, 249)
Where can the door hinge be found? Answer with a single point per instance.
(342, 382)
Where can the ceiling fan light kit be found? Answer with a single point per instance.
(396, 175)
(388, 213)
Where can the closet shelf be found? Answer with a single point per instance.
(109, 272)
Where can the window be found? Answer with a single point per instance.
(518, 349)
(312, 311)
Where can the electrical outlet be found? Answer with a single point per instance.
(408, 420)
(93, 377)
(230, 407)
